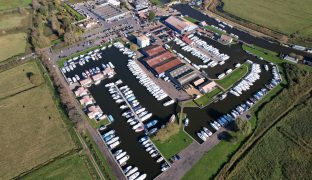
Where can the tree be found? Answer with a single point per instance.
(70, 37)
(133, 47)
(34, 78)
(226, 136)
(55, 25)
(151, 16)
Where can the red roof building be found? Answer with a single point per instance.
(165, 67)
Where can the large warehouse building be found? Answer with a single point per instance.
(180, 24)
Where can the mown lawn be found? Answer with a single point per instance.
(233, 77)
(69, 167)
(174, 144)
(208, 97)
(10, 4)
(11, 45)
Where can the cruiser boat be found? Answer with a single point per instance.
(143, 139)
(207, 131)
(121, 155)
(204, 134)
(201, 136)
(118, 152)
(155, 154)
(150, 124)
(112, 140)
(160, 159)
(123, 160)
(109, 137)
(147, 116)
(142, 177)
(169, 102)
(133, 176)
(145, 142)
(115, 144)
(139, 129)
(187, 121)
(108, 133)
(133, 170)
(127, 169)
(152, 131)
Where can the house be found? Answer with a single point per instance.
(81, 91)
(94, 112)
(86, 82)
(225, 39)
(207, 87)
(86, 100)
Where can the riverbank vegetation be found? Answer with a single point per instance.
(171, 140)
(284, 151)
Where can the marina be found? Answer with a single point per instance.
(138, 106)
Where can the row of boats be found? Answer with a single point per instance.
(152, 150)
(247, 81)
(240, 109)
(112, 141)
(125, 50)
(91, 72)
(132, 173)
(147, 82)
(94, 55)
(204, 134)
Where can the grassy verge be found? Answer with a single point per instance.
(207, 98)
(156, 2)
(233, 77)
(74, 13)
(215, 30)
(174, 144)
(96, 124)
(98, 156)
(212, 161)
(191, 19)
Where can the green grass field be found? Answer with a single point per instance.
(233, 77)
(207, 98)
(32, 129)
(15, 80)
(11, 4)
(284, 152)
(11, 45)
(174, 144)
(285, 16)
(69, 167)
(12, 21)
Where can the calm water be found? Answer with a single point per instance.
(199, 117)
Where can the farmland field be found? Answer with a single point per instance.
(285, 16)
(10, 4)
(69, 167)
(12, 21)
(32, 129)
(11, 45)
(284, 152)
(15, 80)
